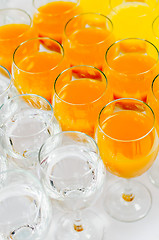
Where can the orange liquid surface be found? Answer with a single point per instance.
(82, 101)
(85, 44)
(52, 17)
(11, 35)
(138, 71)
(41, 69)
(122, 154)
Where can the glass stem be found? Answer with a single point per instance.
(77, 222)
(128, 195)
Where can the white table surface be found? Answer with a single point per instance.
(145, 229)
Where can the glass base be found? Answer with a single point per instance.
(92, 228)
(133, 208)
(154, 173)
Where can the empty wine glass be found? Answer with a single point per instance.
(73, 174)
(26, 121)
(25, 210)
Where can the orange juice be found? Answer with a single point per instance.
(77, 103)
(35, 70)
(127, 144)
(132, 18)
(11, 35)
(100, 6)
(87, 37)
(130, 67)
(51, 18)
(84, 44)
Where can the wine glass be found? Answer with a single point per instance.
(131, 64)
(26, 121)
(72, 174)
(74, 108)
(86, 38)
(25, 210)
(36, 64)
(15, 27)
(50, 17)
(153, 101)
(128, 144)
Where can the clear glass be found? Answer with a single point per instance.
(72, 173)
(74, 108)
(131, 64)
(128, 144)
(36, 64)
(26, 121)
(85, 35)
(132, 18)
(50, 16)
(15, 27)
(7, 89)
(153, 101)
(25, 210)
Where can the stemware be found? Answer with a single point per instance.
(15, 27)
(36, 64)
(26, 121)
(86, 38)
(72, 174)
(153, 101)
(128, 144)
(131, 64)
(132, 18)
(25, 210)
(50, 17)
(80, 93)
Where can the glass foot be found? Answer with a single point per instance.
(127, 208)
(91, 228)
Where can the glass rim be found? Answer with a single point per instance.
(32, 95)
(19, 10)
(55, 14)
(80, 104)
(33, 39)
(87, 13)
(10, 79)
(153, 23)
(152, 87)
(131, 140)
(131, 74)
(93, 143)
(142, 15)
(23, 171)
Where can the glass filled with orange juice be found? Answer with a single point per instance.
(80, 93)
(128, 144)
(86, 38)
(50, 17)
(15, 27)
(131, 65)
(153, 101)
(36, 66)
(132, 18)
